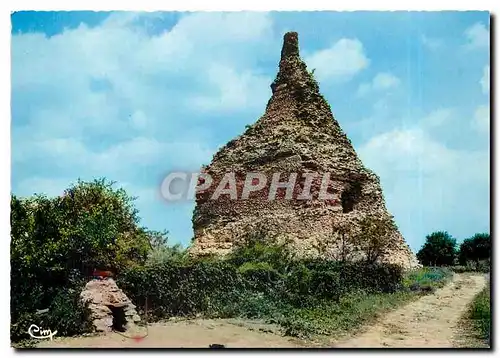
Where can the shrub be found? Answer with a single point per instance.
(375, 237)
(296, 326)
(66, 314)
(427, 279)
(178, 288)
(258, 248)
(369, 238)
(254, 281)
(484, 266)
(481, 266)
(260, 275)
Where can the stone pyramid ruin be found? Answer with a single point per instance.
(296, 134)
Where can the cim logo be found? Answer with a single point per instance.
(36, 332)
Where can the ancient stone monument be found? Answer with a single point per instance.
(110, 308)
(297, 134)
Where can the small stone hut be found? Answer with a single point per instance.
(110, 308)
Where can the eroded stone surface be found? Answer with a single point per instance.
(100, 296)
(297, 134)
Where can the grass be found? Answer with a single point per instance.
(475, 324)
(336, 319)
(357, 309)
(479, 315)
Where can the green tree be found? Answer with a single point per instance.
(57, 242)
(439, 250)
(475, 248)
(161, 251)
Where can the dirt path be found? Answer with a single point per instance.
(187, 334)
(428, 322)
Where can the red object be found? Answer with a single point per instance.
(137, 339)
(99, 273)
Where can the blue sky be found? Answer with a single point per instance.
(134, 96)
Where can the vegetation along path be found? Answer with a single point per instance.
(429, 322)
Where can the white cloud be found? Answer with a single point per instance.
(364, 88)
(431, 43)
(478, 36)
(385, 81)
(139, 120)
(485, 80)
(115, 101)
(437, 118)
(39, 185)
(117, 159)
(402, 154)
(341, 61)
(382, 81)
(405, 150)
(481, 120)
(110, 96)
(230, 90)
(423, 179)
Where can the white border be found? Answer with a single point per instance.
(148, 5)
(218, 5)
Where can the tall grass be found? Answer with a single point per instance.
(479, 314)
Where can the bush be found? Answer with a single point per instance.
(481, 266)
(369, 238)
(178, 288)
(296, 326)
(259, 249)
(261, 276)
(66, 314)
(427, 279)
(254, 281)
(57, 242)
